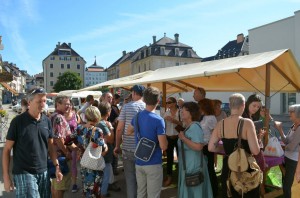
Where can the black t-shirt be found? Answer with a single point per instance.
(30, 138)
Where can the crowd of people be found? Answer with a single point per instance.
(196, 130)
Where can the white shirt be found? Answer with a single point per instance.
(208, 123)
(170, 126)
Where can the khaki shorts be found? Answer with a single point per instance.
(65, 183)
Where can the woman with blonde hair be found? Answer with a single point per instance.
(227, 131)
(91, 179)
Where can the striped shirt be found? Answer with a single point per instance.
(128, 111)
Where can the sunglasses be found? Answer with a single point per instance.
(169, 102)
(38, 91)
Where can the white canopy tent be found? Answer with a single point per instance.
(274, 71)
(243, 73)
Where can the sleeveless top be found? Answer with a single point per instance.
(230, 144)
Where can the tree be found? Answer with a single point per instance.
(68, 81)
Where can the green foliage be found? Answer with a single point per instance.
(104, 89)
(2, 112)
(68, 81)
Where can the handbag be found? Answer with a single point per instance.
(145, 147)
(92, 158)
(241, 178)
(273, 148)
(192, 179)
(62, 165)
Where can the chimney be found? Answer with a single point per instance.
(240, 38)
(124, 52)
(58, 44)
(176, 37)
(165, 34)
(154, 39)
(69, 44)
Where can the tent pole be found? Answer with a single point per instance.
(267, 102)
(164, 95)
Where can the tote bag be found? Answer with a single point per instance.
(92, 158)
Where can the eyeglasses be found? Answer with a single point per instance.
(38, 91)
(291, 111)
(169, 102)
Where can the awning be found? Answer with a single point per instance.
(243, 73)
(6, 86)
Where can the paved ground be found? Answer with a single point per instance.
(166, 192)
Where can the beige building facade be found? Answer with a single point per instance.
(62, 59)
(282, 34)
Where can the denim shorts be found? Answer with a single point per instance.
(32, 185)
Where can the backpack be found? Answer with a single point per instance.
(244, 172)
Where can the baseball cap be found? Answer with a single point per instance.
(138, 89)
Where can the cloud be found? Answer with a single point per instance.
(11, 19)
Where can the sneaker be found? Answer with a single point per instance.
(74, 188)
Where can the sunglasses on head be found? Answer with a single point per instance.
(38, 91)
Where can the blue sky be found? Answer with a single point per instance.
(31, 29)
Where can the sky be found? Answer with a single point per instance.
(30, 29)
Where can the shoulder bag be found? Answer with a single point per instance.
(192, 179)
(62, 165)
(145, 147)
(92, 158)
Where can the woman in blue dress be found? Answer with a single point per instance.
(191, 139)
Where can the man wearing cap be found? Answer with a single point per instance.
(31, 137)
(128, 111)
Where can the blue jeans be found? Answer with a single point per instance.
(129, 171)
(32, 185)
(106, 177)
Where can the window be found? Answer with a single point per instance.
(176, 51)
(51, 83)
(51, 65)
(62, 66)
(59, 74)
(177, 64)
(189, 52)
(68, 66)
(77, 59)
(78, 74)
(52, 58)
(51, 74)
(78, 66)
(64, 52)
(162, 51)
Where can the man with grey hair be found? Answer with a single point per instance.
(31, 137)
(61, 130)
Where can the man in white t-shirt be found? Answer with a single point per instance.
(88, 102)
